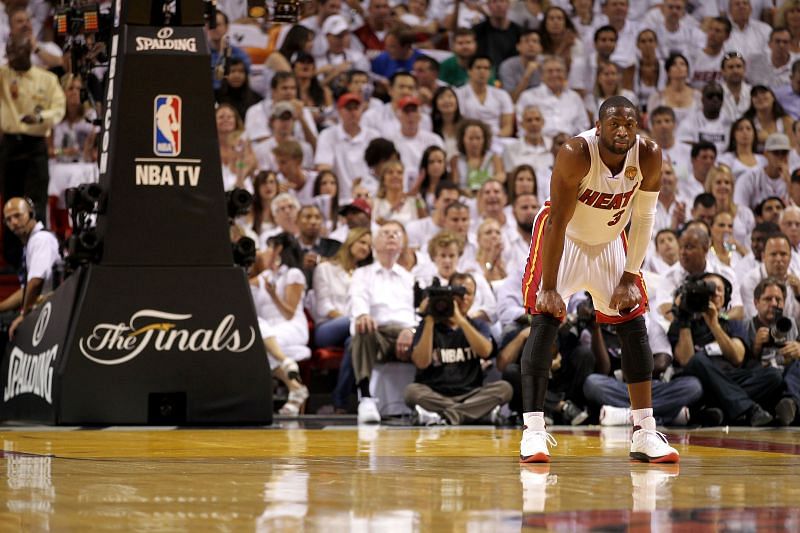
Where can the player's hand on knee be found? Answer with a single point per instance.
(625, 297)
(550, 302)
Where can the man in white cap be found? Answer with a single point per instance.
(754, 186)
(341, 147)
(338, 58)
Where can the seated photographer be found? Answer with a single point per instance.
(573, 362)
(773, 338)
(708, 345)
(445, 250)
(38, 258)
(448, 348)
(776, 260)
(671, 399)
(693, 246)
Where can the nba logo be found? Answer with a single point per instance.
(167, 111)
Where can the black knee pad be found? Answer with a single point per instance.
(537, 355)
(637, 358)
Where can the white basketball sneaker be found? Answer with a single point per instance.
(651, 446)
(615, 416)
(368, 411)
(533, 447)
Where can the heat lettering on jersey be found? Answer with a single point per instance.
(605, 200)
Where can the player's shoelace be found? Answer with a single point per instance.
(549, 439)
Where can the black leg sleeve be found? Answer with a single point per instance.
(537, 356)
(637, 358)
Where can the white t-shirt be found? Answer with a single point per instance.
(411, 150)
(357, 60)
(754, 36)
(705, 68)
(256, 122)
(497, 103)
(305, 194)
(41, 253)
(696, 127)
(755, 186)
(562, 113)
(686, 40)
(421, 231)
(345, 155)
(266, 159)
(384, 120)
(730, 107)
(761, 71)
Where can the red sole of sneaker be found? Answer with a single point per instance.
(535, 458)
(669, 458)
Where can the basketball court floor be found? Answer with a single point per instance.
(319, 475)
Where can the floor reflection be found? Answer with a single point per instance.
(389, 479)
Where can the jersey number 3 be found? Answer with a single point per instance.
(615, 219)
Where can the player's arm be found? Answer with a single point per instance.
(643, 210)
(572, 163)
(643, 215)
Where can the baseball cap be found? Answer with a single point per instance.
(346, 98)
(334, 25)
(359, 204)
(776, 142)
(407, 101)
(282, 107)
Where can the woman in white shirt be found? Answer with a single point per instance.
(282, 287)
(677, 93)
(723, 247)
(238, 161)
(278, 292)
(331, 282)
(720, 183)
(332, 320)
(742, 146)
(392, 202)
(265, 188)
(608, 84)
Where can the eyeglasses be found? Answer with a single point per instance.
(713, 95)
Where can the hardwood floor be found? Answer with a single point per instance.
(287, 478)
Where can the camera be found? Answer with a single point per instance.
(779, 330)
(695, 295)
(287, 11)
(238, 202)
(441, 304)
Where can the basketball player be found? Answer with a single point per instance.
(602, 178)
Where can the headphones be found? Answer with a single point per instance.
(31, 207)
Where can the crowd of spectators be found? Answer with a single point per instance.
(389, 143)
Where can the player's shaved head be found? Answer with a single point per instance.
(614, 102)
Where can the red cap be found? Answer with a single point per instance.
(407, 101)
(346, 98)
(360, 204)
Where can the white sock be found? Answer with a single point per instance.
(534, 420)
(641, 414)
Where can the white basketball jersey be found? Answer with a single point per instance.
(604, 200)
